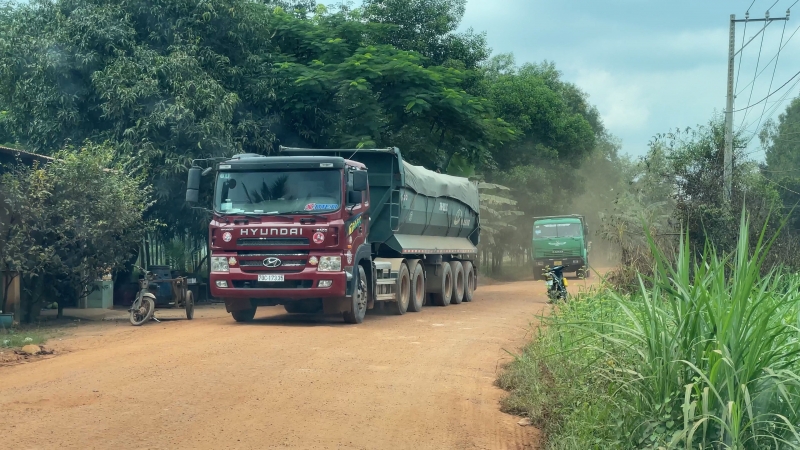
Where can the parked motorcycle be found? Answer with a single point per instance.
(144, 305)
(556, 284)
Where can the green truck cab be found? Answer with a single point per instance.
(560, 241)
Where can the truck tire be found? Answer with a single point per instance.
(244, 315)
(469, 281)
(417, 294)
(402, 289)
(358, 302)
(458, 282)
(441, 284)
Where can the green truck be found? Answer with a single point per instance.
(560, 241)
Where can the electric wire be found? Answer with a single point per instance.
(773, 58)
(755, 73)
(773, 109)
(774, 69)
(768, 95)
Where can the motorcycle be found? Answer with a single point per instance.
(556, 284)
(144, 305)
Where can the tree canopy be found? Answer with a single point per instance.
(169, 82)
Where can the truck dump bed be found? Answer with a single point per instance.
(413, 210)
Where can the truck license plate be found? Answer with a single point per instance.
(270, 278)
(557, 263)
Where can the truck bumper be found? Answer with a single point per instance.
(296, 285)
(570, 262)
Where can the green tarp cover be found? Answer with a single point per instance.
(432, 184)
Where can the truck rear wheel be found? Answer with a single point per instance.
(441, 285)
(402, 291)
(458, 282)
(417, 297)
(244, 315)
(469, 280)
(358, 302)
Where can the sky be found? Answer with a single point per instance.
(651, 66)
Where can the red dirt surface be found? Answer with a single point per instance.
(418, 381)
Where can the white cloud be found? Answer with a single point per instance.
(619, 101)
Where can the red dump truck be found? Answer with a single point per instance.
(338, 231)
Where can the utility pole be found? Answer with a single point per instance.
(727, 168)
(727, 172)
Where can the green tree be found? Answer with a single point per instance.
(556, 130)
(781, 140)
(429, 28)
(172, 81)
(72, 221)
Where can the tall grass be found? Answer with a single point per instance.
(706, 355)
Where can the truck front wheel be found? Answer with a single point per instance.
(358, 302)
(244, 315)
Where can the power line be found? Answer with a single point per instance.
(778, 184)
(755, 74)
(773, 58)
(774, 69)
(768, 95)
(773, 109)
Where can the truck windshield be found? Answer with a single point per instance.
(552, 230)
(273, 192)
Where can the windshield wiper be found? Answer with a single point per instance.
(249, 216)
(280, 216)
(306, 213)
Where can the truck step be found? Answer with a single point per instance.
(388, 281)
(384, 297)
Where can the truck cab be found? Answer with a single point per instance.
(285, 229)
(560, 241)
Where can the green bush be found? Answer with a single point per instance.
(705, 356)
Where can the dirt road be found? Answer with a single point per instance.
(419, 381)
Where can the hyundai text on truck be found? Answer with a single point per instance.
(560, 241)
(338, 231)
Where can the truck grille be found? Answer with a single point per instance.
(291, 261)
(256, 242)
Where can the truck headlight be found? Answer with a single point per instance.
(330, 264)
(219, 264)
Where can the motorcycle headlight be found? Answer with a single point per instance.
(330, 264)
(219, 264)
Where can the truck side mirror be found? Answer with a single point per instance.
(193, 185)
(354, 197)
(360, 181)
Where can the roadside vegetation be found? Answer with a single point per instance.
(17, 338)
(693, 339)
(705, 354)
